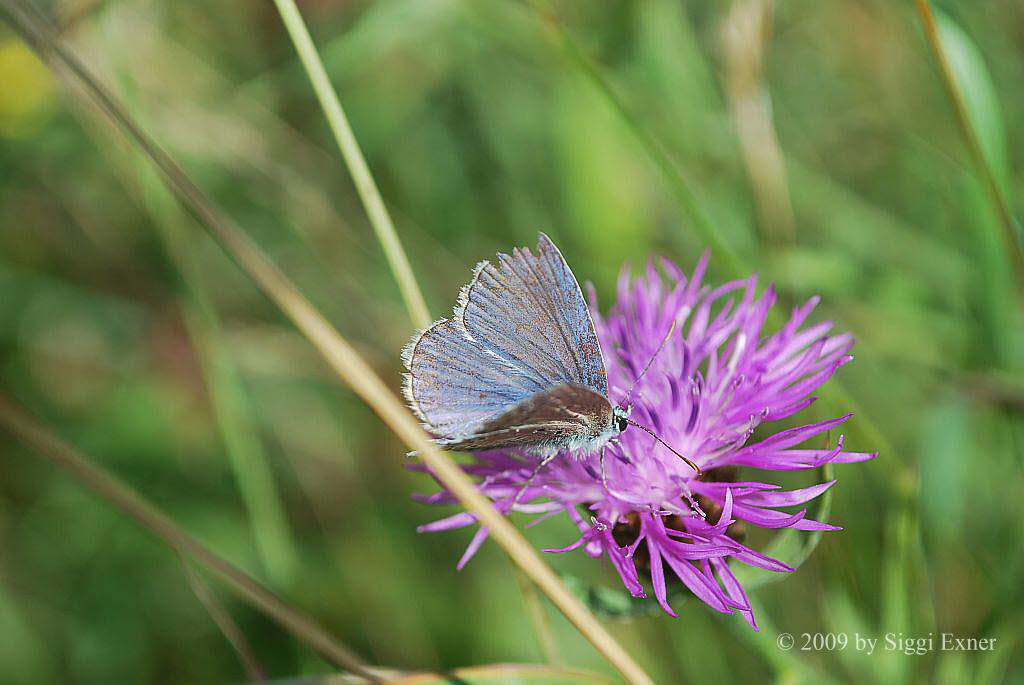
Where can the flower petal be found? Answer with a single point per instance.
(735, 590)
(460, 520)
(658, 578)
(789, 498)
(472, 548)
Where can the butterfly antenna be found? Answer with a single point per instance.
(664, 341)
(670, 448)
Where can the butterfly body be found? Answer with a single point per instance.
(570, 417)
(517, 365)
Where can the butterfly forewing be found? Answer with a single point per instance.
(530, 310)
(521, 329)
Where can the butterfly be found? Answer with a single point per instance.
(518, 365)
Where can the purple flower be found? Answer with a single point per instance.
(717, 378)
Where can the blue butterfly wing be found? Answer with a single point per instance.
(529, 310)
(454, 385)
(521, 327)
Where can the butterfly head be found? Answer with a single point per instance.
(620, 417)
(621, 420)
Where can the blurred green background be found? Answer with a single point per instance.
(815, 138)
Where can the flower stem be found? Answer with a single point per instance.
(353, 155)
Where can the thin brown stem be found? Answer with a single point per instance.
(222, 619)
(125, 499)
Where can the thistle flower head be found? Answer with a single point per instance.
(717, 377)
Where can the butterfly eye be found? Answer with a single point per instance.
(620, 423)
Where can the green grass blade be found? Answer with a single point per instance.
(383, 226)
(250, 465)
(973, 98)
(678, 184)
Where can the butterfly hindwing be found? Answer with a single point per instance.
(454, 385)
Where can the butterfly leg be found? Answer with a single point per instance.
(541, 464)
(604, 480)
(604, 477)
